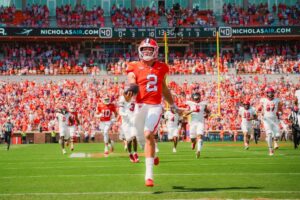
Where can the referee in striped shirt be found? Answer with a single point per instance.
(294, 118)
(8, 128)
(256, 128)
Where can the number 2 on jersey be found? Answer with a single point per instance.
(152, 83)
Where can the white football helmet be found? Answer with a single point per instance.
(106, 100)
(147, 55)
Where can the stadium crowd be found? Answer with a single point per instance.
(253, 15)
(64, 58)
(79, 16)
(138, 17)
(259, 14)
(184, 17)
(34, 15)
(31, 105)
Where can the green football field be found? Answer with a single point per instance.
(225, 170)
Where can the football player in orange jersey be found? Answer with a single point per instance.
(150, 75)
(105, 112)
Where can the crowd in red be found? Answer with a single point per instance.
(185, 17)
(40, 58)
(32, 16)
(255, 14)
(259, 14)
(32, 104)
(63, 58)
(7, 14)
(138, 17)
(270, 59)
(79, 16)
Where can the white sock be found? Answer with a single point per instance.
(106, 148)
(149, 168)
(199, 144)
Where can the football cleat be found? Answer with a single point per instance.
(149, 183)
(106, 154)
(246, 147)
(136, 158)
(276, 146)
(131, 158)
(156, 160)
(174, 150)
(64, 151)
(156, 150)
(271, 152)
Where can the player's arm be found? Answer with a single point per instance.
(168, 97)
(122, 110)
(167, 93)
(280, 110)
(131, 80)
(206, 111)
(98, 113)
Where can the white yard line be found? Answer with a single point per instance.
(163, 174)
(136, 192)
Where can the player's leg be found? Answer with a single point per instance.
(64, 136)
(105, 128)
(72, 135)
(276, 132)
(246, 142)
(269, 136)
(193, 134)
(7, 139)
(135, 154)
(200, 134)
(255, 136)
(151, 124)
(175, 139)
(295, 137)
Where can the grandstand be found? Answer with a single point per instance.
(96, 38)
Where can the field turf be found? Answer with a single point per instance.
(225, 170)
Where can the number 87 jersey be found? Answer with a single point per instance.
(270, 107)
(150, 80)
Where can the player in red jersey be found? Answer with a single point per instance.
(105, 112)
(150, 75)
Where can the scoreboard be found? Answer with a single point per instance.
(156, 32)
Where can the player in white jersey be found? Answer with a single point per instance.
(172, 122)
(62, 117)
(73, 123)
(198, 111)
(247, 114)
(271, 110)
(126, 111)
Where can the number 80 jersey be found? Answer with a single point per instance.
(270, 107)
(149, 79)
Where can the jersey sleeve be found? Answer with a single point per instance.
(129, 67)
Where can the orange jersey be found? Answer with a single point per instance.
(149, 79)
(106, 111)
